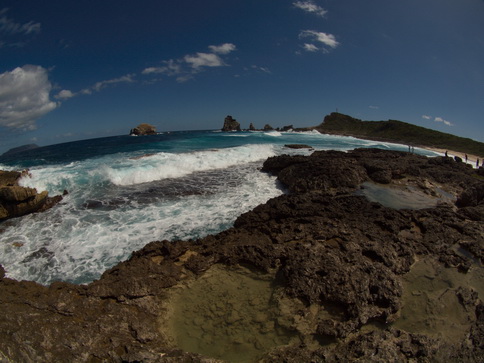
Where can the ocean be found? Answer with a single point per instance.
(126, 191)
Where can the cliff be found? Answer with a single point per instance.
(397, 131)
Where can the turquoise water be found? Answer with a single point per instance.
(126, 191)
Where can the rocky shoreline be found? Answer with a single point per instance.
(337, 268)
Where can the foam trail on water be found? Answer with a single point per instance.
(166, 165)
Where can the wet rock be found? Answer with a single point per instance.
(16, 201)
(339, 261)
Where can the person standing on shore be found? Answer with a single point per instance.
(477, 163)
(466, 157)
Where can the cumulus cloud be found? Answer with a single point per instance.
(324, 38)
(374, 107)
(426, 117)
(24, 97)
(445, 122)
(186, 67)
(310, 7)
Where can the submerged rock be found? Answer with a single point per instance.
(337, 266)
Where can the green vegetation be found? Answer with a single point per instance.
(399, 132)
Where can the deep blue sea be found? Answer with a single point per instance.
(126, 191)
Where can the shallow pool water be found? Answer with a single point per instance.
(227, 314)
(430, 303)
(401, 198)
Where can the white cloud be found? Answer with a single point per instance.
(170, 68)
(426, 117)
(445, 122)
(374, 107)
(24, 97)
(325, 38)
(186, 67)
(65, 94)
(10, 27)
(225, 48)
(204, 60)
(103, 84)
(310, 47)
(310, 7)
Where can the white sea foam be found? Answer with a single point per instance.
(166, 165)
(75, 243)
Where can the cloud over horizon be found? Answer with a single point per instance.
(438, 119)
(24, 97)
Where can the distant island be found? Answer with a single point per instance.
(19, 149)
(143, 129)
(396, 131)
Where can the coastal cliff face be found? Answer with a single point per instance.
(343, 277)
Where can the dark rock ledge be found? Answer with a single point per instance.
(330, 248)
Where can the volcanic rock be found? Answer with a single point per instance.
(16, 201)
(230, 124)
(338, 261)
(143, 129)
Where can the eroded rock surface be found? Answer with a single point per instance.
(16, 201)
(340, 262)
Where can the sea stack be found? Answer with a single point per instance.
(143, 129)
(230, 124)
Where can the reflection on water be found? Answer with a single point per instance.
(430, 303)
(228, 314)
(402, 198)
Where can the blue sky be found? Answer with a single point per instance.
(73, 70)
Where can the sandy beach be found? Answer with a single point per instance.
(471, 159)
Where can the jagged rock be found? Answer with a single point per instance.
(287, 128)
(339, 261)
(268, 127)
(143, 129)
(298, 146)
(16, 201)
(252, 127)
(230, 124)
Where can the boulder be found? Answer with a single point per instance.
(16, 201)
(143, 129)
(230, 124)
(251, 127)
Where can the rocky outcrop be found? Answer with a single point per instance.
(268, 127)
(16, 201)
(252, 127)
(338, 261)
(143, 129)
(230, 124)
